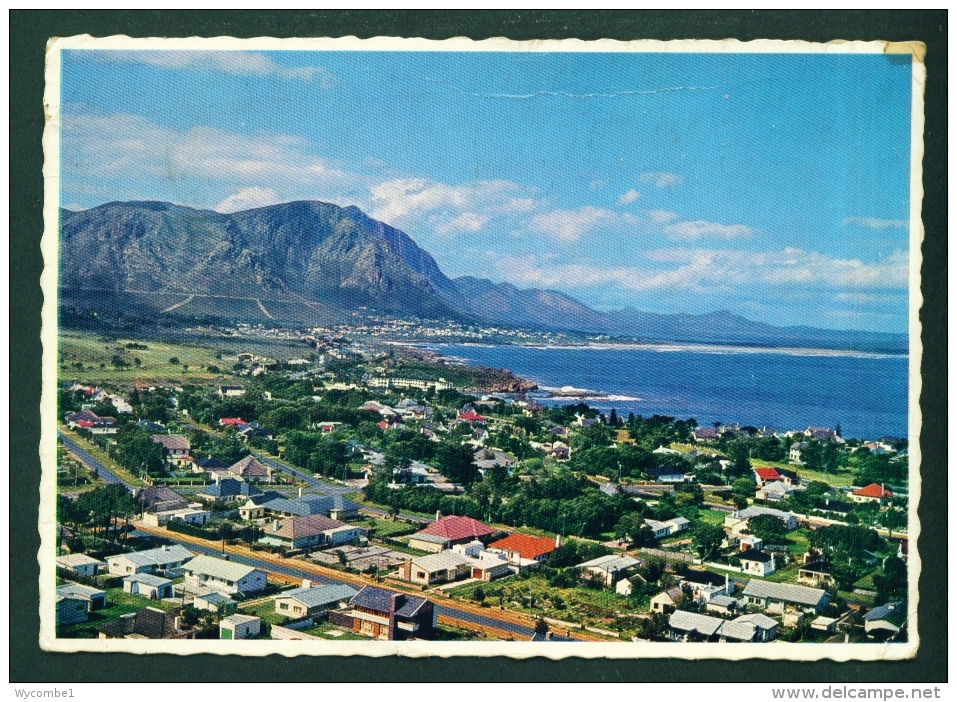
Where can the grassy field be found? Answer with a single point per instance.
(843, 479)
(711, 516)
(91, 351)
(266, 611)
(325, 630)
(575, 604)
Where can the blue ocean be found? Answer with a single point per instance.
(787, 389)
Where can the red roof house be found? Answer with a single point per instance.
(458, 529)
(472, 417)
(767, 475)
(230, 422)
(872, 493)
(532, 548)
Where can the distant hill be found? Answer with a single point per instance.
(296, 261)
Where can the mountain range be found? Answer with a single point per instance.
(299, 261)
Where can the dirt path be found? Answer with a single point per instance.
(179, 304)
(264, 310)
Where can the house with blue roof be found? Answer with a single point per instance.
(228, 490)
(312, 599)
(333, 506)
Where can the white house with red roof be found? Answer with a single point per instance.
(872, 493)
(768, 475)
(445, 532)
(522, 549)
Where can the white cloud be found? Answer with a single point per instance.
(874, 223)
(661, 216)
(700, 228)
(465, 222)
(629, 197)
(570, 225)
(704, 271)
(238, 63)
(660, 179)
(447, 208)
(247, 199)
(132, 148)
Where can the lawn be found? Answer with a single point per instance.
(325, 630)
(712, 516)
(574, 604)
(386, 527)
(266, 611)
(842, 479)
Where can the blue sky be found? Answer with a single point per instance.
(775, 186)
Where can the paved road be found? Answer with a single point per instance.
(520, 632)
(86, 459)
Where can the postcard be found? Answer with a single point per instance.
(440, 348)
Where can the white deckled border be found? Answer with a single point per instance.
(517, 649)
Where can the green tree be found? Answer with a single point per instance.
(707, 539)
(174, 360)
(768, 528)
(743, 487)
(739, 453)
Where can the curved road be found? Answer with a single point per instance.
(86, 459)
(289, 570)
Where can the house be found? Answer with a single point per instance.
(750, 541)
(333, 506)
(885, 621)
(626, 586)
(159, 498)
(826, 625)
(748, 628)
(96, 599)
(90, 421)
(232, 422)
(522, 548)
(149, 623)
(666, 474)
(737, 521)
(448, 531)
(667, 528)
(764, 476)
(872, 493)
(387, 615)
(777, 597)
(231, 391)
(609, 569)
(146, 585)
(722, 604)
(227, 490)
(462, 560)
(214, 602)
(309, 600)
(229, 578)
(794, 453)
(328, 427)
(705, 434)
(819, 433)
(757, 563)
(191, 515)
(175, 449)
(240, 626)
(71, 609)
(773, 492)
(150, 561)
(250, 470)
(666, 600)
(209, 465)
(253, 508)
(705, 585)
(308, 531)
(816, 573)
(80, 563)
(444, 566)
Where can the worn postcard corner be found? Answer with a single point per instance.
(481, 348)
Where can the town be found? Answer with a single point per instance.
(319, 484)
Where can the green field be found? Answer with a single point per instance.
(118, 603)
(842, 479)
(91, 351)
(711, 516)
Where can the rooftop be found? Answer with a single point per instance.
(610, 563)
(172, 442)
(787, 592)
(156, 556)
(147, 579)
(527, 546)
(458, 528)
(319, 596)
(302, 527)
(873, 490)
(218, 568)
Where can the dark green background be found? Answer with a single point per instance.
(29, 31)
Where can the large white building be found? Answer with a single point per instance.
(208, 573)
